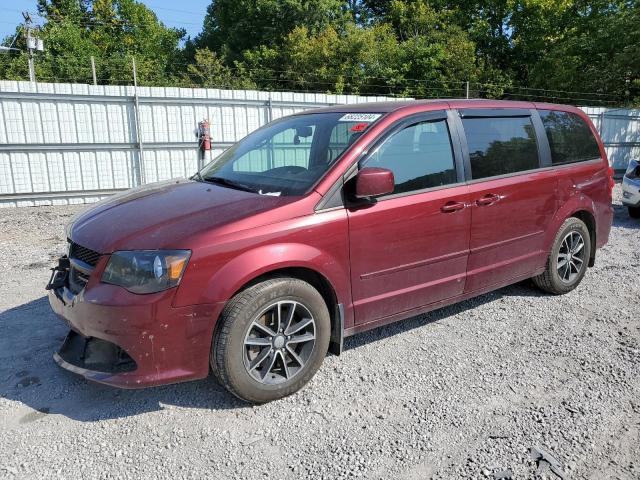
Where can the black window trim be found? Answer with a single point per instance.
(544, 151)
(493, 112)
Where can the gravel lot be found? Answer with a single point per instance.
(465, 391)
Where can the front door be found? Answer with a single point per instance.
(409, 249)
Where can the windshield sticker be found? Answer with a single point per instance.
(360, 117)
(359, 127)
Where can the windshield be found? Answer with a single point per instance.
(287, 157)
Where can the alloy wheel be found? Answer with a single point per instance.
(279, 342)
(571, 259)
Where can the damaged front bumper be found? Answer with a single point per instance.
(130, 341)
(93, 358)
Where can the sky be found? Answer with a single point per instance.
(189, 17)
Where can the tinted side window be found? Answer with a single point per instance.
(569, 137)
(500, 145)
(420, 156)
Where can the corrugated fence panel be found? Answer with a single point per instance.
(73, 143)
(620, 132)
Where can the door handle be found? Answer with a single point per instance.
(488, 199)
(452, 207)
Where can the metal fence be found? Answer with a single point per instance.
(74, 143)
(620, 132)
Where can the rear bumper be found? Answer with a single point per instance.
(164, 344)
(630, 192)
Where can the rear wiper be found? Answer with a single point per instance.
(228, 183)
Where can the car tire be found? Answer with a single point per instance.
(634, 212)
(559, 277)
(260, 359)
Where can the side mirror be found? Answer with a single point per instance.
(373, 182)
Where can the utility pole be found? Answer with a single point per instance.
(93, 70)
(33, 43)
(136, 117)
(135, 73)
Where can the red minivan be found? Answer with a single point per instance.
(324, 224)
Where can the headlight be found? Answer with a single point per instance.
(146, 271)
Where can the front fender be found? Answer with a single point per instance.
(220, 266)
(261, 260)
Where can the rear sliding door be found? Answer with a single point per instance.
(512, 200)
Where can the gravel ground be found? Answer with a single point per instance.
(463, 392)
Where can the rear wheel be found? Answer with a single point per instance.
(568, 260)
(634, 212)
(272, 339)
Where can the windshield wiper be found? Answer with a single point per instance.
(228, 183)
(198, 177)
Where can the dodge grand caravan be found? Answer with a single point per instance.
(324, 224)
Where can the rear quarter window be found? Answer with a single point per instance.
(570, 138)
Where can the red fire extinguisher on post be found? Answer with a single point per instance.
(204, 139)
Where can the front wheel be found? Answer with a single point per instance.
(634, 212)
(568, 260)
(272, 339)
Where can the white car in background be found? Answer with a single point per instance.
(631, 189)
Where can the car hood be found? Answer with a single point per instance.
(164, 215)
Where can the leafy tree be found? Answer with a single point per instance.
(125, 28)
(599, 53)
(436, 51)
(233, 26)
(377, 8)
(427, 61)
(112, 31)
(210, 71)
(419, 48)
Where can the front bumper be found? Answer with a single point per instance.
(631, 192)
(139, 340)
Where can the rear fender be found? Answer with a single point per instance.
(575, 203)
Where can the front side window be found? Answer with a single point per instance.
(500, 145)
(420, 156)
(569, 137)
(288, 156)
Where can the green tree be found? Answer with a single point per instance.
(234, 26)
(436, 51)
(599, 52)
(421, 48)
(210, 71)
(429, 59)
(112, 31)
